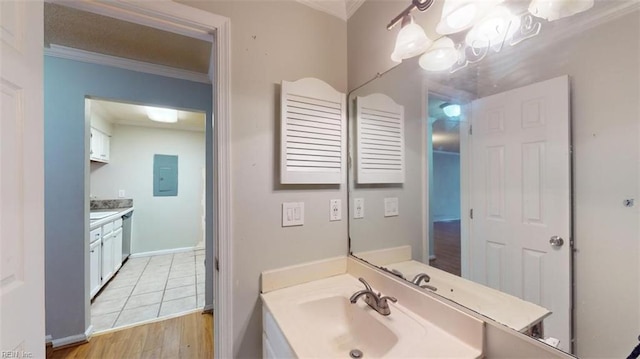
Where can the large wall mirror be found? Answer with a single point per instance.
(511, 185)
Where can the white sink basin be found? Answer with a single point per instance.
(100, 215)
(319, 321)
(344, 326)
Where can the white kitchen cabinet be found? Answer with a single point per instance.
(95, 269)
(107, 257)
(117, 249)
(100, 146)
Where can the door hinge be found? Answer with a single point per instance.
(471, 213)
(217, 264)
(470, 130)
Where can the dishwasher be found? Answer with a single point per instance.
(126, 235)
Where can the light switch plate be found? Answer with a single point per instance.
(358, 208)
(121, 193)
(391, 207)
(292, 214)
(335, 210)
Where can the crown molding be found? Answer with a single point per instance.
(342, 9)
(127, 64)
(353, 6)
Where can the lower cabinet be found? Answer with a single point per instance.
(95, 269)
(117, 250)
(107, 257)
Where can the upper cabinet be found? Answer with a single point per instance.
(100, 143)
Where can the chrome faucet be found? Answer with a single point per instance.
(423, 277)
(376, 301)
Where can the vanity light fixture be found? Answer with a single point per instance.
(451, 109)
(459, 15)
(165, 115)
(552, 10)
(411, 40)
(494, 28)
(440, 56)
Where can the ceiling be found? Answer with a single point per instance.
(108, 36)
(136, 115)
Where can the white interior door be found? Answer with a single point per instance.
(21, 180)
(521, 198)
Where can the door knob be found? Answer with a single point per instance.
(556, 241)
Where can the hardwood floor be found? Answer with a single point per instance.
(447, 246)
(188, 336)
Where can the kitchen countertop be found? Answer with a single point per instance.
(99, 222)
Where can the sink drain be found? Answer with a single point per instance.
(356, 354)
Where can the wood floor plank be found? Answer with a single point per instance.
(188, 336)
(447, 246)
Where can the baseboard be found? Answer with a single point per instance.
(432, 257)
(72, 340)
(162, 251)
(48, 339)
(208, 308)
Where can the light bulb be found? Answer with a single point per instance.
(411, 40)
(552, 10)
(441, 56)
(459, 15)
(159, 114)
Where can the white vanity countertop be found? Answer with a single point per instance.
(119, 213)
(509, 310)
(318, 321)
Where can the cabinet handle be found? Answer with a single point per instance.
(93, 250)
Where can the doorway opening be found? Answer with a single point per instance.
(148, 164)
(443, 147)
(167, 81)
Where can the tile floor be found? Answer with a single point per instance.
(150, 287)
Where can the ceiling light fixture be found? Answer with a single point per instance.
(411, 40)
(458, 15)
(165, 115)
(451, 109)
(440, 56)
(498, 26)
(552, 10)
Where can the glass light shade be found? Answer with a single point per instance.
(552, 10)
(165, 115)
(451, 110)
(441, 56)
(497, 26)
(458, 15)
(411, 41)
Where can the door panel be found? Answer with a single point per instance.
(521, 197)
(21, 179)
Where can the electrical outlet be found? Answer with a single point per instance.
(292, 214)
(391, 207)
(121, 193)
(358, 208)
(335, 210)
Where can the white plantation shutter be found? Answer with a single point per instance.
(313, 133)
(379, 140)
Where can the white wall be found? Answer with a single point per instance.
(273, 41)
(158, 222)
(604, 65)
(445, 197)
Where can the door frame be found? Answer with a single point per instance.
(437, 89)
(170, 16)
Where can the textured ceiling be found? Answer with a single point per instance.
(136, 115)
(101, 34)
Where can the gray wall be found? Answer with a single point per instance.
(375, 231)
(274, 41)
(66, 83)
(445, 197)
